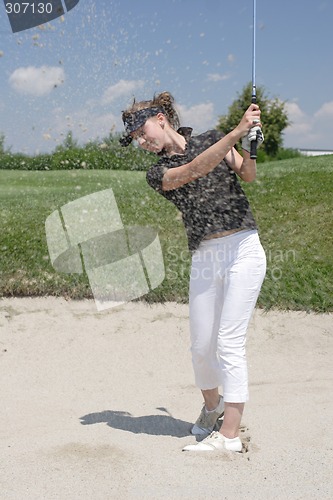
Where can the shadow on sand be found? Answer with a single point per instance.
(156, 425)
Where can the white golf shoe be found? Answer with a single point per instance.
(216, 441)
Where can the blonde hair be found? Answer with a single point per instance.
(164, 100)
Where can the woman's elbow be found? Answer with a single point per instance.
(248, 176)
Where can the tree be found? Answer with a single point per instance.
(3, 149)
(68, 143)
(2, 144)
(273, 117)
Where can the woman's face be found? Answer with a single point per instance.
(151, 136)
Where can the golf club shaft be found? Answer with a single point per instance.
(253, 152)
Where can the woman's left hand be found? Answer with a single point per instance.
(255, 134)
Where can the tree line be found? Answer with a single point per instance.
(109, 154)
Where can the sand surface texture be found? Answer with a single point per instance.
(99, 405)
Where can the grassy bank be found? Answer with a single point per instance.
(292, 201)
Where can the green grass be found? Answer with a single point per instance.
(292, 201)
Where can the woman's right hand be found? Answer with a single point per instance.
(251, 118)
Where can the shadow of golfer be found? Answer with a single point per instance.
(156, 425)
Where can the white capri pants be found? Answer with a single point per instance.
(226, 277)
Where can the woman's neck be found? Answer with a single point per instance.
(175, 143)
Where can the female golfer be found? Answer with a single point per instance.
(199, 175)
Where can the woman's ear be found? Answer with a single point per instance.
(161, 119)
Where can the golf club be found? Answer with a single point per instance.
(253, 152)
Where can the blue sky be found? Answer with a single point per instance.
(78, 72)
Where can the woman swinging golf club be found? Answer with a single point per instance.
(199, 175)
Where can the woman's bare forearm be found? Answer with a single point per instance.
(212, 156)
(202, 164)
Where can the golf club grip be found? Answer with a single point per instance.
(253, 152)
(254, 144)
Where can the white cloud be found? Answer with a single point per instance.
(120, 89)
(309, 131)
(85, 125)
(300, 122)
(217, 77)
(36, 81)
(89, 122)
(294, 111)
(200, 116)
(326, 111)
